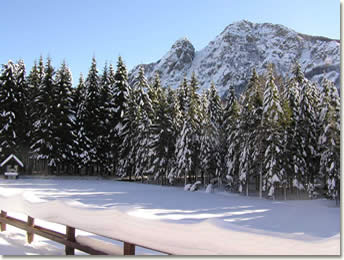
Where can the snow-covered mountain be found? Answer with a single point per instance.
(231, 56)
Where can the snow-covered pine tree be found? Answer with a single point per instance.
(230, 99)
(205, 140)
(8, 104)
(194, 115)
(22, 122)
(106, 123)
(183, 153)
(34, 82)
(112, 79)
(272, 115)
(121, 116)
(78, 94)
(294, 160)
(162, 130)
(215, 112)
(43, 141)
(143, 140)
(188, 140)
(182, 93)
(92, 114)
(329, 140)
(309, 129)
(231, 128)
(77, 101)
(127, 132)
(82, 144)
(251, 134)
(154, 92)
(64, 118)
(176, 117)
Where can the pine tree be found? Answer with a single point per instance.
(127, 133)
(193, 116)
(82, 144)
(329, 140)
(309, 135)
(272, 114)
(22, 122)
(205, 139)
(112, 75)
(121, 116)
(183, 153)
(8, 104)
(188, 140)
(251, 135)
(92, 114)
(136, 131)
(22, 109)
(34, 82)
(175, 117)
(182, 95)
(64, 116)
(144, 113)
(215, 119)
(154, 92)
(294, 161)
(106, 123)
(231, 128)
(43, 143)
(162, 130)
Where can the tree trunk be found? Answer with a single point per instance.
(260, 185)
(247, 187)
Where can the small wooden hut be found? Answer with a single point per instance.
(11, 167)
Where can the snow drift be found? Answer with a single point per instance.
(205, 238)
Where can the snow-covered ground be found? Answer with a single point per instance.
(173, 219)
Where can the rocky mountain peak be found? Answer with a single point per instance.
(184, 50)
(229, 59)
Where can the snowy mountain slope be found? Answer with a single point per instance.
(231, 56)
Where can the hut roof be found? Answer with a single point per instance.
(9, 158)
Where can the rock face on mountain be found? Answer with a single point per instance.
(242, 46)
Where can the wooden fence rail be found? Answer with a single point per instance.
(68, 239)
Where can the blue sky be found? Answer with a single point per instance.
(141, 31)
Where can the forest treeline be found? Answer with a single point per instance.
(279, 134)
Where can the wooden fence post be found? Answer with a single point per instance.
(3, 225)
(129, 249)
(70, 232)
(30, 222)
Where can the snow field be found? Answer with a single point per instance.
(170, 218)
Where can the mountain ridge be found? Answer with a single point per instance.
(240, 47)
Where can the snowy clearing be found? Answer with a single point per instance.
(169, 218)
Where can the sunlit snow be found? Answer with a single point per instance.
(169, 218)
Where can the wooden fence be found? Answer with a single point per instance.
(68, 239)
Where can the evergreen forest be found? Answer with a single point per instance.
(278, 139)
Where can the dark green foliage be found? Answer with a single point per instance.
(329, 142)
(64, 117)
(8, 106)
(279, 134)
(44, 142)
(121, 119)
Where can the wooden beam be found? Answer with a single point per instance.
(3, 224)
(129, 249)
(70, 233)
(30, 223)
(49, 234)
